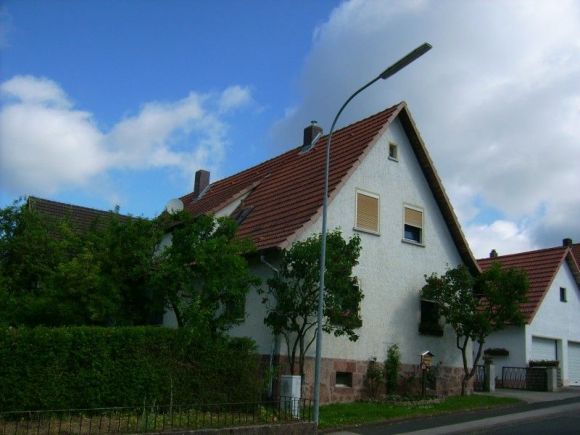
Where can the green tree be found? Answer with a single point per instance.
(477, 306)
(203, 273)
(291, 297)
(52, 273)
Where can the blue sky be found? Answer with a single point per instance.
(119, 102)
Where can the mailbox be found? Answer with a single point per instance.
(426, 360)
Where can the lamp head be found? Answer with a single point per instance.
(402, 63)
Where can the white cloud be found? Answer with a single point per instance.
(47, 145)
(504, 236)
(497, 100)
(234, 97)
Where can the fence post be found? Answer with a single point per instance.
(489, 378)
(552, 374)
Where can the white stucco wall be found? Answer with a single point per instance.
(558, 320)
(391, 271)
(514, 340)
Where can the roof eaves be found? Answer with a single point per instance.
(554, 273)
(436, 186)
(303, 228)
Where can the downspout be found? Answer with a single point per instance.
(275, 350)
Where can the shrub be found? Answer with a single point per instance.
(392, 365)
(88, 367)
(374, 379)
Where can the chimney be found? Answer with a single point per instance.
(311, 135)
(493, 254)
(566, 242)
(201, 182)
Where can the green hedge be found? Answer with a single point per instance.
(88, 367)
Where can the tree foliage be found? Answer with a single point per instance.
(292, 294)
(477, 306)
(53, 274)
(203, 273)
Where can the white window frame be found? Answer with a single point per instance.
(422, 211)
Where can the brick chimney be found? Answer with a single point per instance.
(311, 134)
(201, 182)
(493, 254)
(566, 242)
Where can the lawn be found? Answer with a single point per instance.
(347, 414)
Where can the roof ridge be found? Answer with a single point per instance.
(322, 139)
(535, 251)
(35, 198)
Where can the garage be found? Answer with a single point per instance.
(574, 363)
(544, 349)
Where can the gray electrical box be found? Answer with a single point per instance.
(290, 394)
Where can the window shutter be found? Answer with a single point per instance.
(367, 212)
(413, 217)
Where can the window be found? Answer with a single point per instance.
(393, 152)
(430, 319)
(343, 379)
(563, 295)
(367, 212)
(413, 229)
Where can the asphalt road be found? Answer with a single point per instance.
(564, 423)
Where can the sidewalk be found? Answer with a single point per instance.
(537, 396)
(538, 405)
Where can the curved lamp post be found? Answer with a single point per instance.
(393, 69)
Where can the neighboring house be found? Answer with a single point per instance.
(383, 187)
(80, 218)
(551, 313)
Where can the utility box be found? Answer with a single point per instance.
(290, 394)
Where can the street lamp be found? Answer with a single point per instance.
(393, 69)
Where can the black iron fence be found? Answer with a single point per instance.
(525, 378)
(154, 418)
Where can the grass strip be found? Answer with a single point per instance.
(349, 414)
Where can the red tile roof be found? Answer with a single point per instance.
(541, 267)
(285, 193)
(80, 218)
(576, 252)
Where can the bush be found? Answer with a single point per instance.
(374, 379)
(544, 363)
(392, 365)
(88, 367)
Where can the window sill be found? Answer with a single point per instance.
(342, 386)
(412, 242)
(393, 159)
(363, 230)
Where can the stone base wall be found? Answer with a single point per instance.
(447, 379)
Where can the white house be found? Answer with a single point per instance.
(552, 311)
(383, 187)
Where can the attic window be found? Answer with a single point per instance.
(393, 152)
(241, 214)
(413, 226)
(367, 212)
(563, 297)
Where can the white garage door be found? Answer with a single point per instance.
(574, 363)
(544, 349)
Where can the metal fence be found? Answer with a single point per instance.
(525, 378)
(154, 418)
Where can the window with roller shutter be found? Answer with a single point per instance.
(367, 212)
(413, 228)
